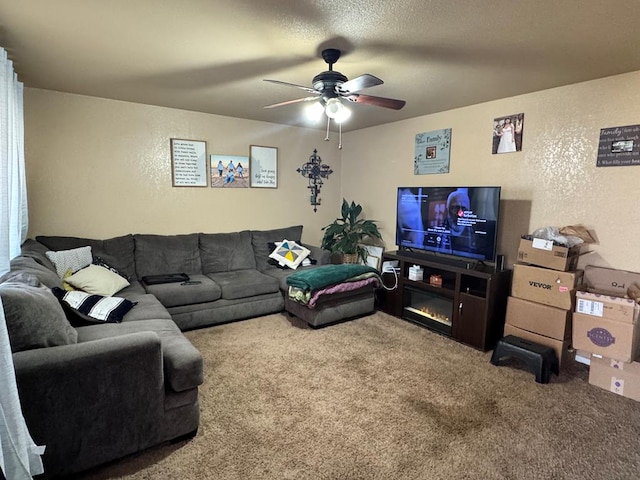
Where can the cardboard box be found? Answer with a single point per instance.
(605, 337)
(561, 347)
(544, 253)
(607, 306)
(618, 377)
(609, 280)
(538, 318)
(542, 285)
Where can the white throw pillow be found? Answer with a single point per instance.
(73, 259)
(289, 253)
(98, 280)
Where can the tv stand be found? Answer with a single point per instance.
(465, 300)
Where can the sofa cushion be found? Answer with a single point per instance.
(37, 251)
(74, 259)
(98, 280)
(26, 264)
(92, 308)
(289, 253)
(20, 276)
(281, 275)
(186, 293)
(224, 252)
(260, 240)
(182, 361)
(244, 283)
(148, 307)
(34, 317)
(117, 251)
(161, 254)
(135, 288)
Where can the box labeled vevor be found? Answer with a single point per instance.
(605, 337)
(561, 347)
(618, 377)
(538, 318)
(544, 253)
(542, 285)
(612, 308)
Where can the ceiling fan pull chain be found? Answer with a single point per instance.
(328, 123)
(340, 136)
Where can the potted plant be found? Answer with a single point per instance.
(345, 234)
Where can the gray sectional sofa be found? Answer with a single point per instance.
(99, 391)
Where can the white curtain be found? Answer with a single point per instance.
(13, 185)
(19, 455)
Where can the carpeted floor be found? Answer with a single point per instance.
(380, 398)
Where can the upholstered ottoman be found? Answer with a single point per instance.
(334, 308)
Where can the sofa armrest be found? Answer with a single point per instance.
(322, 256)
(92, 402)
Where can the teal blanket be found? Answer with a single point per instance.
(326, 275)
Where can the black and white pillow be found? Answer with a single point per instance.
(94, 308)
(102, 263)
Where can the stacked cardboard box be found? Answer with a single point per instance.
(605, 323)
(543, 294)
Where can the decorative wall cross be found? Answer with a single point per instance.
(315, 171)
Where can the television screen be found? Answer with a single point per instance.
(460, 221)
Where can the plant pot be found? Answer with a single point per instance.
(349, 258)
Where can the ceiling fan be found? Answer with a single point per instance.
(331, 86)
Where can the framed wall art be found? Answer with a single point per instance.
(229, 171)
(189, 163)
(432, 150)
(507, 133)
(374, 255)
(263, 164)
(619, 146)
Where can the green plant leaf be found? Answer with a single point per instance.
(345, 234)
(345, 210)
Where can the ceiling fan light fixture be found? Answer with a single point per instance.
(334, 108)
(314, 111)
(343, 116)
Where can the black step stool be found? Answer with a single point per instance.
(540, 359)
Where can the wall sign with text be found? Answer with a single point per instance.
(619, 146)
(189, 163)
(264, 166)
(432, 152)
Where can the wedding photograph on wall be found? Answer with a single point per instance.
(507, 133)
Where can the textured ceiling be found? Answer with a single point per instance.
(212, 55)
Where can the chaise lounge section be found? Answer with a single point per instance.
(93, 392)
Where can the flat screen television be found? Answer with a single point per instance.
(453, 221)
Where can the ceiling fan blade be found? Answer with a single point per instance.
(289, 102)
(286, 84)
(377, 101)
(360, 83)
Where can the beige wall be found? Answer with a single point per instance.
(101, 168)
(552, 182)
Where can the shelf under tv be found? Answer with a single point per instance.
(473, 301)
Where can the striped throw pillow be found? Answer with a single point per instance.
(94, 308)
